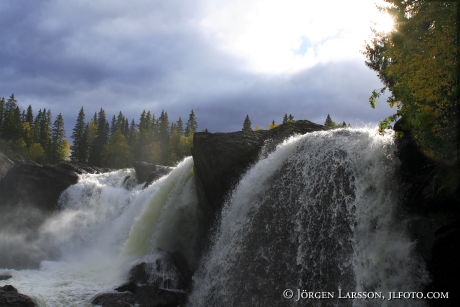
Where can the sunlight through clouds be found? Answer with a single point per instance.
(283, 37)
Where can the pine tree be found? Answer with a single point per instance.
(132, 134)
(29, 117)
(80, 142)
(329, 122)
(45, 132)
(273, 125)
(12, 124)
(192, 124)
(180, 126)
(247, 124)
(98, 147)
(164, 137)
(57, 140)
(2, 111)
(285, 118)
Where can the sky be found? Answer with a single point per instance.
(222, 58)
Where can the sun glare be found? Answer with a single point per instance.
(384, 23)
(274, 37)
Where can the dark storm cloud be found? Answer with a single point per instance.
(143, 54)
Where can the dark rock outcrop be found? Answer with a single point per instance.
(9, 297)
(148, 172)
(168, 270)
(36, 185)
(434, 217)
(220, 159)
(162, 282)
(114, 299)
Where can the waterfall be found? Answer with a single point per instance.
(320, 214)
(103, 227)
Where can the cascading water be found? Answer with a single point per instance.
(317, 214)
(103, 228)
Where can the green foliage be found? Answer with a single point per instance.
(27, 137)
(118, 151)
(287, 118)
(329, 122)
(37, 153)
(418, 64)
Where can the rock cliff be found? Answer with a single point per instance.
(434, 215)
(220, 159)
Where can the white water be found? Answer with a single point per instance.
(317, 214)
(103, 228)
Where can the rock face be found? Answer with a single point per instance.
(9, 297)
(435, 219)
(164, 281)
(37, 185)
(220, 159)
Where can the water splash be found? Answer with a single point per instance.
(99, 220)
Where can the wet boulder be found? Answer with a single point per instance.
(161, 280)
(10, 297)
(148, 172)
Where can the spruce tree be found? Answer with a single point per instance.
(29, 117)
(80, 144)
(247, 124)
(180, 126)
(12, 124)
(164, 137)
(2, 111)
(329, 122)
(192, 124)
(57, 140)
(285, 118)
(45, 132)
(100, 141)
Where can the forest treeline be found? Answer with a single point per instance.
(101, 142)
(96, 141)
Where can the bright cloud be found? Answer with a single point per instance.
(288, 36)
